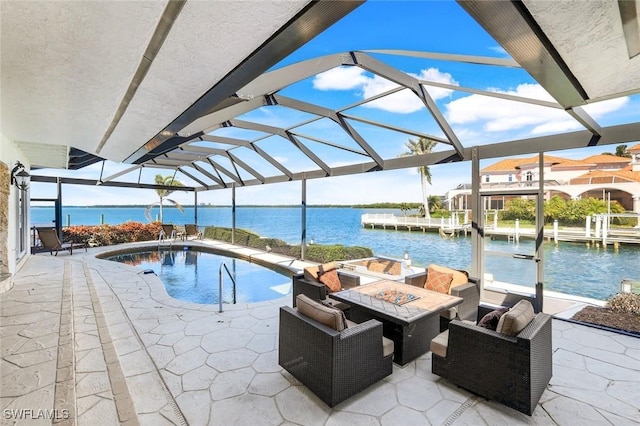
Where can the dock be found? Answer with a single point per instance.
(453, 227)
(447, 226)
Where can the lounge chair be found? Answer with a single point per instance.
(333, 362)
(309, 283)
(168, 231)
(50, 241)
(191, 230)
(511, 364)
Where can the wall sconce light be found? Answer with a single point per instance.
(20, 177)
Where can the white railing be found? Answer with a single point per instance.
(393, 220)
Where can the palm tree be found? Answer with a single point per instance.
(419, 147)
(435, 203)
(163, 193)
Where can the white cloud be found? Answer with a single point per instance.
(403, 102)
(500, 50)
(500, 115)
(341, 78)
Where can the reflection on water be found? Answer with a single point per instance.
(192, 276)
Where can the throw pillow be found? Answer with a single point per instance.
(345, 322)
(518, 317)
(459, 277)
(491, 319)
(438, 281)
(331, 280)
(312, 273)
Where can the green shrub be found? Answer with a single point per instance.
(315, 253)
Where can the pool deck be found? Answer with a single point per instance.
(97, 342)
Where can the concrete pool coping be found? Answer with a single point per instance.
(100, 340)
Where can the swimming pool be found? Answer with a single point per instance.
(193, 275)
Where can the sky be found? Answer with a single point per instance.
(434, 26)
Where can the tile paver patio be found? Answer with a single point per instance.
(141, 357)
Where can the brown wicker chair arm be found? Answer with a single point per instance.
(313, 289)
(468, 309)
(348, 279)
(371, 327)
(417, 280)
(535, 327)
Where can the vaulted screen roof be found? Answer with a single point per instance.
(207, 120)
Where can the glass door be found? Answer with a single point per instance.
(511, 259)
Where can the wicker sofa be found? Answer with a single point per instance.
(511, 369)
(307, 283)
(461, 286)
(334, 365)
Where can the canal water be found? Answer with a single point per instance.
(568, 267)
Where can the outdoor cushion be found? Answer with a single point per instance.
(331, 317)
(331, 280)
(491, 319)
(387, 344)
(517, 318)
(459, 278)
(439, 344)
(438, 281)
(313, 272)
(450, 313)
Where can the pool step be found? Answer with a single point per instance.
(116, 380)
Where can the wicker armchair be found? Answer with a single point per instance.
(513, 370)
(318, 291)
(334, 365)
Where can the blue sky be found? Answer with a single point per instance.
(434, 26)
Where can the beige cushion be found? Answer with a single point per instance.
(459, 278)
(313, 272)
(517, 318)
(439, 344)
(326, 315)
(387, 344)
(450, 313)
(387, 347)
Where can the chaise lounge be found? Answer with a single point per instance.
(191, 230)
(50, 241)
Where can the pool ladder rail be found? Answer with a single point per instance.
(220, 285)
(163, 237)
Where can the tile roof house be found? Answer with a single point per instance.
(569, 178)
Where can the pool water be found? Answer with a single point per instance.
(193, 276)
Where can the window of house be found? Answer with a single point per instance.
(529, 176)
(510, 177)
(486, 178)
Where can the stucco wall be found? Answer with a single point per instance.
(4, 218)
(9, 154)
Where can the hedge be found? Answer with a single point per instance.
(105, 235)
(316, 252)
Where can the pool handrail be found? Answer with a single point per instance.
(220, 285)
